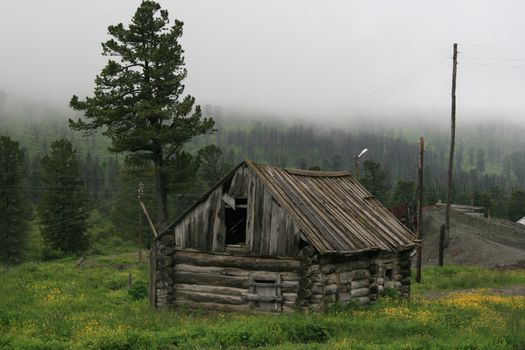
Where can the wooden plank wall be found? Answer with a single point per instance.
(202, 228)
(270, 230)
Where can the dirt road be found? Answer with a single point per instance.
(475, 241)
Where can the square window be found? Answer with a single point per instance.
(389, 274)
(265, 292)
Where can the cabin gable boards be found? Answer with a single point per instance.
(239, 216)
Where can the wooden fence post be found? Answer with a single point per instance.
(153, 276)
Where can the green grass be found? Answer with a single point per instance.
(450, 277)
(55, 305)
(103, 237)
(34, 243)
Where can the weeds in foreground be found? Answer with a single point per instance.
(55, 305)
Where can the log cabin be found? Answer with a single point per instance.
(273, 239)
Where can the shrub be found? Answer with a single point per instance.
(138, 290)
(116, 283)
(305, 331)
(343, 307)
(52, 254)
(390, 293)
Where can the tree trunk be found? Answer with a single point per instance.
(162, 194)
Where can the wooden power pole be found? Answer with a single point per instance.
(356, 167)
(140, 191)
(452, 142)
(420, 209)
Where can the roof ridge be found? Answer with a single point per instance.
(317, 173)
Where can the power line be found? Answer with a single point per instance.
(387, 84)
(491, 65)
(62, 220)
(493, 58)
(71, 176)
(385, 94)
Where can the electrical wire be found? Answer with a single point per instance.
(492, 65)
(381, 85)
(382, 88)
(387, 94)
(62, 220)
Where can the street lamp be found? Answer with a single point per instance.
(356, 162)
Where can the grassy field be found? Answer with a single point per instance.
(55, 305)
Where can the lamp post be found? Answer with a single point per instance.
(356, 162)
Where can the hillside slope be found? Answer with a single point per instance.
(473, 240)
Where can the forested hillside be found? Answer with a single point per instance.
(489, 159)
(489, 164)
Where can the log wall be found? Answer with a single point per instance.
(400, 264)
(194, 279)
(222, 281)
(360, 278)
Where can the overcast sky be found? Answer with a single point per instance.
(330, 59)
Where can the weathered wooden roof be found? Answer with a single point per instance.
(335, 212)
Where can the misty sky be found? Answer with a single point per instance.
(306, 58)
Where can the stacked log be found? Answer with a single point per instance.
(312, 287)
(221, 281)
(164, 277)
(400, 265)
(404, 271)
(347, 280)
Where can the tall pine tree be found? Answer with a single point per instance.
(15, 210)
(138, 96)
(62, 209)
(212, 166)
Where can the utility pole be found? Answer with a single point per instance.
(452, 142)
(140, 191)
(356, 167)
(420, 209)
(489, 214)
(356, 162)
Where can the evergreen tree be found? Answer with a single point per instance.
(15, 210)
(516, 208)
(498, 202)
(138, 95)
(405, 192)
(480, 160)
(62, 209)
(211, 164)
(375, 181)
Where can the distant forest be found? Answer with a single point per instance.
(489, 164)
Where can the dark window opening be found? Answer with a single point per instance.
(235, 221)
(302, 243)
(265, 282)
(241, 202)
(388, 274)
